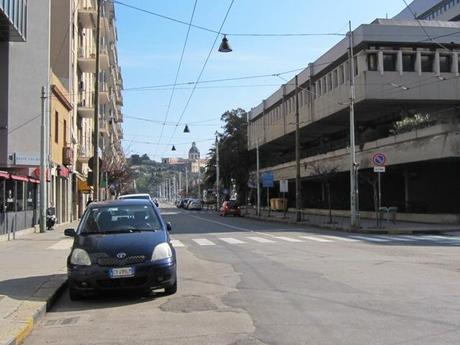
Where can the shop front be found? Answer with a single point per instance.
(18, 200)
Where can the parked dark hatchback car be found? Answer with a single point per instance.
(121, 244)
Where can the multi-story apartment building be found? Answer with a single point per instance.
(24, 32)
(407, 92)
(79, 40)
(52, 44)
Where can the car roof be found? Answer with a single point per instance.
(131, 195)
(119, 202)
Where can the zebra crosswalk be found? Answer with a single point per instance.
(266, 238)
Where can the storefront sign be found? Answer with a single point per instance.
(23, 159)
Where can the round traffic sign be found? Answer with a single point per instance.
(379, 159)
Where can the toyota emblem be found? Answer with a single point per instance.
(121, 255)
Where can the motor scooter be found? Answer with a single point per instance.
(50, 217)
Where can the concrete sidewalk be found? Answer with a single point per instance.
(343, 223)
(32, 271)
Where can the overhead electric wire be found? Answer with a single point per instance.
(219, 32)
(160, 144)
(421, 26)
(177, 72)
(202, 69)
(214, 80)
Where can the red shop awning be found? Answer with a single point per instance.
(20, 178)
(4, 174)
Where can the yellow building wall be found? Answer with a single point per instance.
(60, 120)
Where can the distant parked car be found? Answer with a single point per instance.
(183, 203)
(140, 196)
(230, 208)
(194, 204)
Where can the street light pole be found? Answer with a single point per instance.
(298, 197)
(96, 108)
(258, 177)
(217, 175)
(186, 182)
(353, 164)
(43, 145)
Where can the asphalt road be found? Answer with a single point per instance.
(245, 282)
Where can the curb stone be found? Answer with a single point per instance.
(393, 231)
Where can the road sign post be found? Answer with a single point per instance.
(284, 188)
(268, 182)
(379, 160)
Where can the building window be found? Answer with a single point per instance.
(389, 62)
(56, 127)
(355, 61)
(65, 132)
(335, 79)
(341, 76)
(329, 82)
(372, 61)
(408, 62)
(445, 63)
(427, 62)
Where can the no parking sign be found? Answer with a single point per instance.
(379, 159)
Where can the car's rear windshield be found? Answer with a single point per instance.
(120, 218)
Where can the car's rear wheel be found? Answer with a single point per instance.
(75, 295)
(172, 289)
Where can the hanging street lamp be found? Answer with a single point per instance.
(224, 46)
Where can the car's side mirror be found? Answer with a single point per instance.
(168, 226)
(70, 232)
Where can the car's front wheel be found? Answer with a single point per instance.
(172, 289)
(75, 295)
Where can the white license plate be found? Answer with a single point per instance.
(122, 272)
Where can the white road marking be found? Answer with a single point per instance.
(338, 238)
(371, 239)
(177, 243)
(261, 240)
(62, 244)
(287, 239)
(168, 213)
(231, 240)
(316, 238)
(203, 242)
(396, 238)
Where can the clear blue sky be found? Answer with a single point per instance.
(149, 51)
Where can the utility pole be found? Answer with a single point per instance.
(353, 164)
(217, 176)
(186, 181)
(298, 196)
(199, 181)
(174, 187)
(43, 155)
(96, 108)
(180, 183)
(258, 177)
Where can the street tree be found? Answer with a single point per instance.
(325, 173)
(233, 154)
